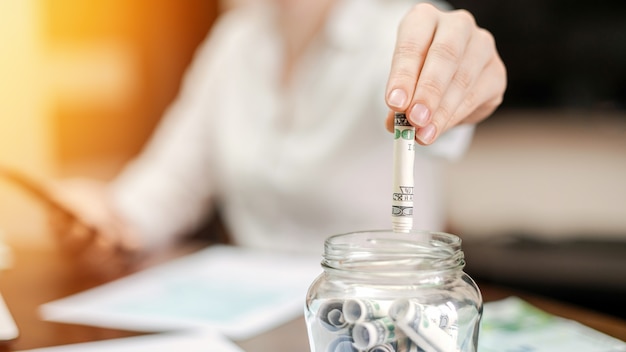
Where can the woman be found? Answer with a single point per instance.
(279, 124)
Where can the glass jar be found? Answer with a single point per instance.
(383, 292)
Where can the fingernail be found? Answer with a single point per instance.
(397, 98)
(427, 134)
(419, 115)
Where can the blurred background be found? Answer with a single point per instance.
(540, 198)
(83, 84)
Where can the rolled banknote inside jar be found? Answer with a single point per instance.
(427, 328)
(357, 310)
(403, 183)
(375, 332)
(331, 315)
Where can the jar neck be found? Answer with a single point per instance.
(387, 253)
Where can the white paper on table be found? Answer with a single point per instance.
(513, 324)
(238, 292)
(167, 342)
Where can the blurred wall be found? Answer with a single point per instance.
(551, 162)
(546, 174)
(25, 113)
(119, 64)
(559, 54)
(82, 85)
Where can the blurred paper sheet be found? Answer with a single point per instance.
(515, 325)
(238, 292)
(187, 342)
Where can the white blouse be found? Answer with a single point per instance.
(287, 167)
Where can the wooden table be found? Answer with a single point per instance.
(39, 276)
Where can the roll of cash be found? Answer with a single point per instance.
(372, 333)
(330, 315)
(405, 310)
(422, 324)
(414, 313)
(358, 310)
(445, 317)
(403, 183)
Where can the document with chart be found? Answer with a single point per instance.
(238, 292)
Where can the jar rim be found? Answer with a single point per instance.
(385, 251)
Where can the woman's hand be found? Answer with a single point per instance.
(445, 71)
(90, 230)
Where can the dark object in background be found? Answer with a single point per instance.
(559, 54)
(586, 272)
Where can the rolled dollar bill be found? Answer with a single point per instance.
(425, 325)
(368, 334)
(445, 317)
(358, 310)
(330, 315)
(403, 183)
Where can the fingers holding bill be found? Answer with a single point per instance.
(441, 78)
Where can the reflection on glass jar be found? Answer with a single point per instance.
(393, 292)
